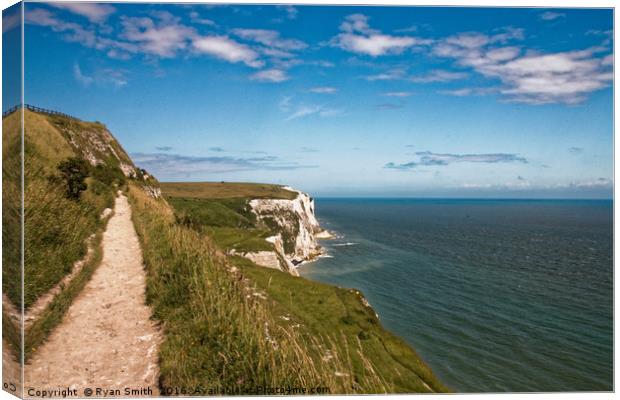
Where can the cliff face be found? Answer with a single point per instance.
(93, 142)
(297, 229)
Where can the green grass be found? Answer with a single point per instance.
(228, 222)
(325, 310)
(55, 227)
(36, 333)
(11, 208)
(219, 190)
(213, 212)
(216, 332)
(243, 240)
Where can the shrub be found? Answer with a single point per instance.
(108, 175)
(74, 172)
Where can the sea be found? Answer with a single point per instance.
(494, 295)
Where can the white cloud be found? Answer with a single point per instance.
(324, 90)
(397, 94)
(96, 13)
(470, 43)
(227, 49)
(197, 19)
(285, 103)
(566, 77)
(594, 183)
(175, 165)
(303, 111)
(374, 45)
(308, 110)
(270, 75)
(297, 111)
(430, 159)
(163, 38)
(523, 184)
(291, 12)
(76, 33)
(270, 38)
(80, 77)
(468, 40)
(73, 32)
(438, 75)
(458, 92)
(503, 53)
(356, 23)
(276, 53)
(11, 21)
(410, 28)
(550, 15)
(527, 77)
(358, 37)
(392, 74)
(103, 77)
(471, 91)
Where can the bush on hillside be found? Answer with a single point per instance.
(74, 172)
(108, 175)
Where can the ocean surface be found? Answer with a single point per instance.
(495, 295)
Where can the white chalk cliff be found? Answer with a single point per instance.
(297, 230)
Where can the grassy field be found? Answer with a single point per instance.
(220, 190)
(228, 221)
(312, 309)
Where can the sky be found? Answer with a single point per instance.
(339, 100)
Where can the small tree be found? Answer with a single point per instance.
(74, 171)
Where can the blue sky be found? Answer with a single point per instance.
(340, 101)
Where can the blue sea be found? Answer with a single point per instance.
(495, 295)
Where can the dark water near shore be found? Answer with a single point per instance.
(496, 295)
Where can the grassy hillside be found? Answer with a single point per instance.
(220, 190)
(221, 211)
(11, 207)
(56, 227)
(64, 195)
(56, 224)
(312, 309)
(328, 310)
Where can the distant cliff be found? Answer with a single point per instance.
(297, 231)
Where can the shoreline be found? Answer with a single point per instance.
(322, 253)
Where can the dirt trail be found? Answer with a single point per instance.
(106, 339)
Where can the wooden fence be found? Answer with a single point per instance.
(35, 109)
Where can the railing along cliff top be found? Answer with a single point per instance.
(35, 109)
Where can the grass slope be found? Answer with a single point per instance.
(228, 221)
(337, 315)
(328, 310)
(55, 227)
